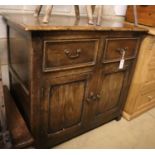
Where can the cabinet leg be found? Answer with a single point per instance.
(118, 118)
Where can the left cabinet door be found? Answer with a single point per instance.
(63, 102)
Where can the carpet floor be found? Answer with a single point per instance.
(136, 134)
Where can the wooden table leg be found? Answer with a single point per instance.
(99, 15)
(47, 13)
(77, 11)
(90, 14)
(37, 10)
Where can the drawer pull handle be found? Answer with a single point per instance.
(72, 55)
(91, 97)
(122, 51)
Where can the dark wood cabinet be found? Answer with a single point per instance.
(111, 89)
(66, 79)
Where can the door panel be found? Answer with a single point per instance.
(110, 91)
(65, 105)
(64, 101)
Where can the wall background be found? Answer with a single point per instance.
(116, 12)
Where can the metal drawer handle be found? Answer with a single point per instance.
(91, 97)
(72, 55)
(122, 50)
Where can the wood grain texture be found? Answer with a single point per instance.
(115, 47)
(21, 137)
(19, 68)
(142, 91)
(65, 107)
(57, 22)
(145, 14)
(0, 73)
(110, 92)
(72, 91)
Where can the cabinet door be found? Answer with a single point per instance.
(63, 104)
(112, 90)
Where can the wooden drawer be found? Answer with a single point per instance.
(144, 100)
(149, 84)
(115, 47)
(151, 64)
(148, 87)
(66, 54)
(150, 76)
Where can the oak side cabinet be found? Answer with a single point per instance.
(141, 95)
(66, 76)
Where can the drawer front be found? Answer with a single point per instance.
(148, 87)
(144, 100)
(115, 48)
(66, 54)
(150, 75)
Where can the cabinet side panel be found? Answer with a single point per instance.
(19, 65)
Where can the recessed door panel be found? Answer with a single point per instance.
(110, 91)
(65, 105)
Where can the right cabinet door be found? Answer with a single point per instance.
(116, 69)
(113, 79)
(113, 86)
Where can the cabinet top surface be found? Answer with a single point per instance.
(60, 22)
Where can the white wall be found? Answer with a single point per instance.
(109, 11)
